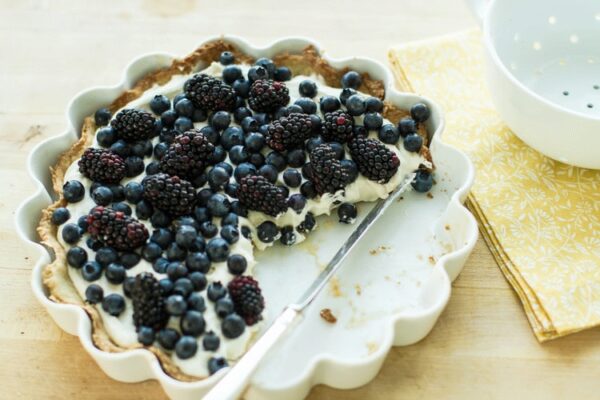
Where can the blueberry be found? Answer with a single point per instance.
(198, 280)
(267, 232)
(406, 126)
(60, 216)
(102, 196)
(217, 249)
(413, 142)
(308, 88)
(347, 213)
(160, 265)
(71, 233)
(134, 166)
(216, 363)
(345, 94)
(374, 104)
(176, 270)
(329, 104)
(160, 150)
(167, 338)
(233, 326)
(246, 232)
(307, 105)
(230, 219)
(106, 136)
(239, 209)
(240, 113)
(256, 73)
(232, 73)
(166, 285)
(185, 237)
(231, 137)
(183, 124)
(102, 116)
(175, 305)
(355, 105)
(220, 120)
(215, 291)
(236, 264)
(308, 224)
(186, 347)
(196, 301)
(338, 148)
(277, 160)
(211, 134)
(218, 177)
(230, 233)
(199, 180)
(307, 171)
(244, 169)
(151, 251)
(73, 191)
(351, 79)
(292, 177)
(114, 304)
(93, 244)
(210, 341)
(242, 88)
(226, 58)
(185, 108)
(389, 134)
(134, 192)
(297, 202)
(176, 252)
(423, 181)
(231, 189)
(360, 130)
(121, 148)
(143, 210)
(238, 154)
(351, 169)
(198, 261)
(203, 196)
(219, 154)
(283, 74)
(420, 112)
(308, 190)
(296, 158)
(82, 222)
(254, 141)
(199, 115)
(226, 166)
(192, 323)
(183, 287)
(262, 118)
(159, 219)
(115, 273)
(106, 255)
(94, 293)
(267, 64)
(224, 307)
(201, 214)
(159, 104)
(129, 260)
(128, 285)
(121, 207)
(141, 148)
(269, 172)
(167, 135)
(313, 142)
(288, 236)
(76, 257)
(178, 98)
(145, 335)
(91, 271)
(373, 120)
(208, 229)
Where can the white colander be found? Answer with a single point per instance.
(543, 72)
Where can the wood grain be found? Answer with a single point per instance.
(482, 346)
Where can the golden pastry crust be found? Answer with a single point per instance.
(55, 274)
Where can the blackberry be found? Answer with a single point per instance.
(102, 166)
(115, 229)
(247, 298)
(289, 132)
(337, 126)
(131, 125)
(209, 93)
(267, 95)
(374, 160)
(257, 193)
(188, 155)
(170, 194)
(327, 173)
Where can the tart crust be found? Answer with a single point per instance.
(55, 274)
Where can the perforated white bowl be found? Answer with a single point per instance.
(391, 297)
(543, 71)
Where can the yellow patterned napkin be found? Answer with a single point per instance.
(540, 218)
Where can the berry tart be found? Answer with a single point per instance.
(172, 188)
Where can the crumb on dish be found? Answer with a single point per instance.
(328, 316)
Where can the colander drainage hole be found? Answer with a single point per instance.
(590, 105)
(565, 93)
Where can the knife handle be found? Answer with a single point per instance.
(233, 384)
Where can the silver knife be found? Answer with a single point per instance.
(235, 381)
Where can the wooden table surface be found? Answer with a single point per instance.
(482, 346)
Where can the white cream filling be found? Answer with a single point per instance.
(122, 330)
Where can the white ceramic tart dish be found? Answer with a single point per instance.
(391, 291)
